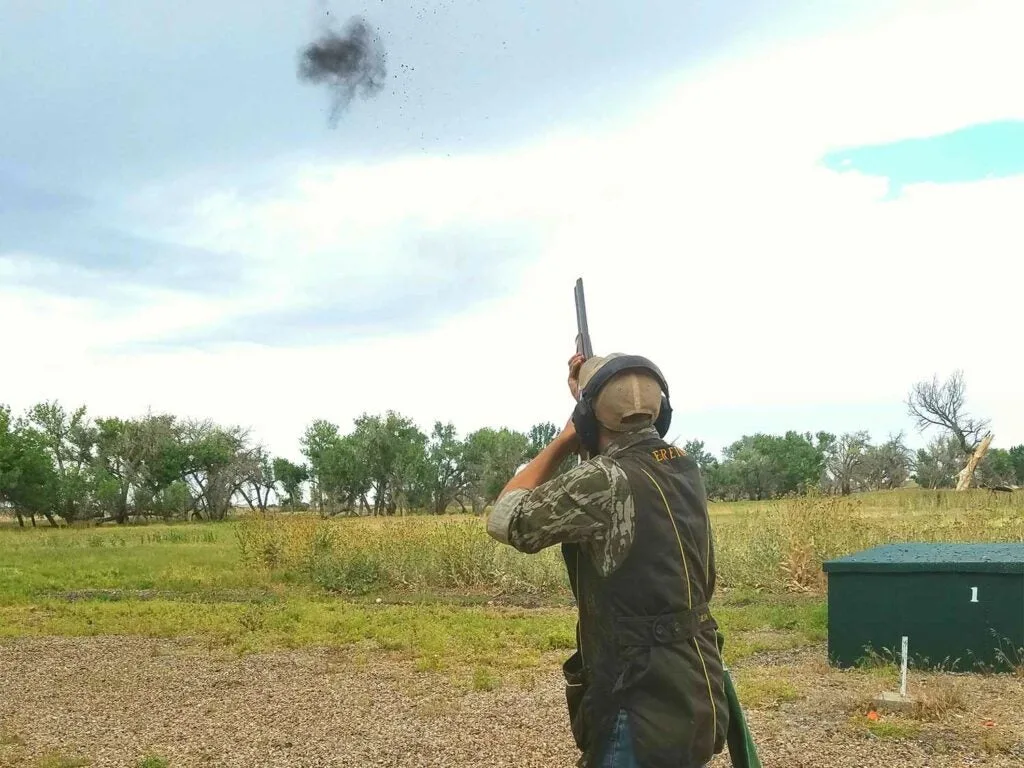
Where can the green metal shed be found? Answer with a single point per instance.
(960, 605)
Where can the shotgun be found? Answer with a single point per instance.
(583, 346)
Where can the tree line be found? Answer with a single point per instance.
(768, 466)
(60, 464)
(763, 466)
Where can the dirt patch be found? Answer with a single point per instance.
(115, 700)
(808, 714)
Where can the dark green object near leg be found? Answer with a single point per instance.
(742, 752)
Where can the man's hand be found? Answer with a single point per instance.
(575, 362)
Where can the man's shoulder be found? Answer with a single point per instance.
(598, 481)
(599, 463)
(576, 505)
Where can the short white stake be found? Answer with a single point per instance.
(903, 670)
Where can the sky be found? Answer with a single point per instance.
(795, 213)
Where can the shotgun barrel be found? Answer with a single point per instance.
(583, 345)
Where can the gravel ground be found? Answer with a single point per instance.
(114, 700)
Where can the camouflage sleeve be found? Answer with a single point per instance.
(590, 502)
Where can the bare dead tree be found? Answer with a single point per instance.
(942, 405)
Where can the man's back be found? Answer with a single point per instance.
(648, 643)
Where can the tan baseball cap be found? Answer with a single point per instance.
(629, 401)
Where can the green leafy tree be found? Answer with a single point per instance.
(218, 462)
(394, 452)
(937, 465)
(27, 476)
(344, 476)
(69, 439)
(320, 437)
(764, 466)
(888, 465)
(492, 458)
(137, 460)
(751, 471)
(846, 463)
(260, 482)
(540, 437)
(696, 451)
(1017, 457)
(290, 477)
(799, 460)
(996, 468)
(447, 468)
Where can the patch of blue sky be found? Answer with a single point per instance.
(974, 153)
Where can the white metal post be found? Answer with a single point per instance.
(903, 669)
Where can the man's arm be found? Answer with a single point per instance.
(534, 511)
(589, 502)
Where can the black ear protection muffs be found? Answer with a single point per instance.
(583, 417)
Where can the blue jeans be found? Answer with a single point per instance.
(620, 749)
(620, 752)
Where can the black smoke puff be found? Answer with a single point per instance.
(350, 62)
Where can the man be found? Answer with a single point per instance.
(645, 685)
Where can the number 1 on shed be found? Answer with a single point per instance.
(974, 594)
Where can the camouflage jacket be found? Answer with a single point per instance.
(590, 505)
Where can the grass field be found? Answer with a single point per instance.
(438, 596)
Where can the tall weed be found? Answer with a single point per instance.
(782, 545)
(361, 555)
(775, 545)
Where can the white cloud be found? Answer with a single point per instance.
(707, 236)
